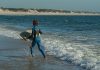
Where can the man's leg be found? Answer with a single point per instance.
(41, 48)
(31, 48)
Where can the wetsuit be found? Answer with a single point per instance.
(37, 40)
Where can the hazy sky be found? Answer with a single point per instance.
(86, 5)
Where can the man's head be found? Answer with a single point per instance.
(35, 22)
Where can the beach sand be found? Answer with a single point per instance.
(14, 55)
(35, 12)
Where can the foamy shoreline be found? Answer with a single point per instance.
(34, 12)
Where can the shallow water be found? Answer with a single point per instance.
(14, 55)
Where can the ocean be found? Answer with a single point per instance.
(73, 39)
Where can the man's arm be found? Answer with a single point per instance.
(40, 31)
(31, 34)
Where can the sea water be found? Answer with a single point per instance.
(74, 39)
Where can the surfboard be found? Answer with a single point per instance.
(26, 34)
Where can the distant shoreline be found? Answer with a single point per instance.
(35, 12)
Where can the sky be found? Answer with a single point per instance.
(81, 5)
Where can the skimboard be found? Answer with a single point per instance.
(26, 34)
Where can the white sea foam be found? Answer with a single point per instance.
(74, 53)
(9, 33)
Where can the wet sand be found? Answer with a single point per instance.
(14, 55)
